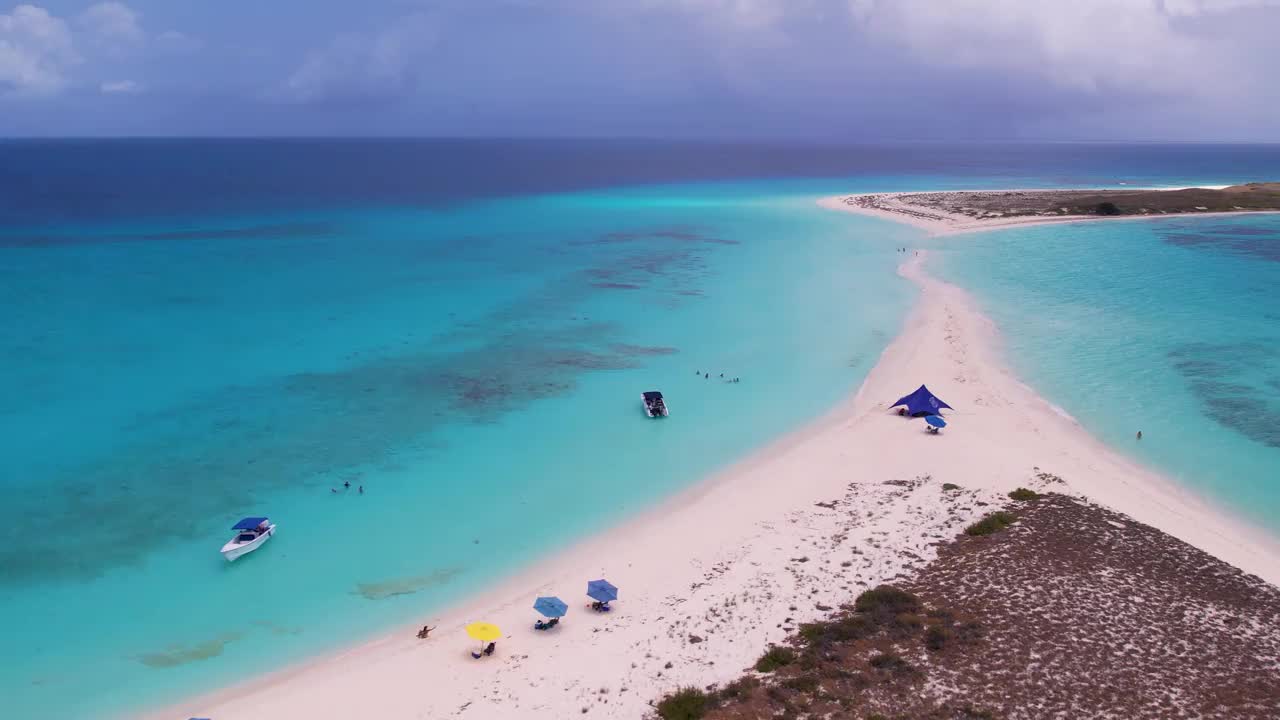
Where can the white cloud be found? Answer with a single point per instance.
(1203, 7)
(742, 22)
(1086, 45)
(113, 26)
(42, 54)
(1143, 46)
(120, 87)
(362, 65)
(177, 42)
(36, 50)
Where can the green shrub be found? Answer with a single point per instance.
(885, 604)
(739, 689)
(992, 523)
(937, 637)
(688, 703)
(887, 600)
(849, 627)
(889, 661)
(946, 487)
(801, 683)
(774, 658)
(1024, 494)
(1107, 208)
(909, 621)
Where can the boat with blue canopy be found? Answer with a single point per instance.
(654, 404)
(251, 533)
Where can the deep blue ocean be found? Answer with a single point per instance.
(194, 331)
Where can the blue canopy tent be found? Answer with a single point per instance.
(249, 523)
(922, 402)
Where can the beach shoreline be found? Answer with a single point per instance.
(729, 558)
(887, 206)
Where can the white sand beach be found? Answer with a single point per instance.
(711, 577)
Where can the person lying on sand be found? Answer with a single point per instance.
(424, 632)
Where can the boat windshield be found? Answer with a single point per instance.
(246, 537)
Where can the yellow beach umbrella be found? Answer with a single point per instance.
(483, 631)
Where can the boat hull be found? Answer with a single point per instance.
(233, 550)
(652, 411)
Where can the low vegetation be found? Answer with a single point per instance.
(948, 487)
(886, 599)
(889, 661)
(774, 658)
(829, 666)
(993, 523)
(1023, 494)
(1107, 203)
(688, 703)
(937, 637)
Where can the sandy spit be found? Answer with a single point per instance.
(711, 577)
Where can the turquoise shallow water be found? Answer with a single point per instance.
(478, 370)
(1168, 326)
(182, 347)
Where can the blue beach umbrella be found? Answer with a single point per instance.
(602, 591)
(552, 607)
(935, 420)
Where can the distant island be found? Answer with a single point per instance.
(968, 210)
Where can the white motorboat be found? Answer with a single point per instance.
(654, 405)
(251, 533)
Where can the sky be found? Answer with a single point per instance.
(852, 70)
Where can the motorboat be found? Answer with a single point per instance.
(654, 405)
(251, 533)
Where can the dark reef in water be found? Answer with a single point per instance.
(1258, 242)
(1220, 376)
(259, 232)
(198, 462)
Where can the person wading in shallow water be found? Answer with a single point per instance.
(1139, 434)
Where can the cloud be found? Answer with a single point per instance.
(42, 55)
(113, 26)
(1201, 7)
(173, 41)
(36, 51)
(357, 66)
(1086, 45)
(120, 87)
